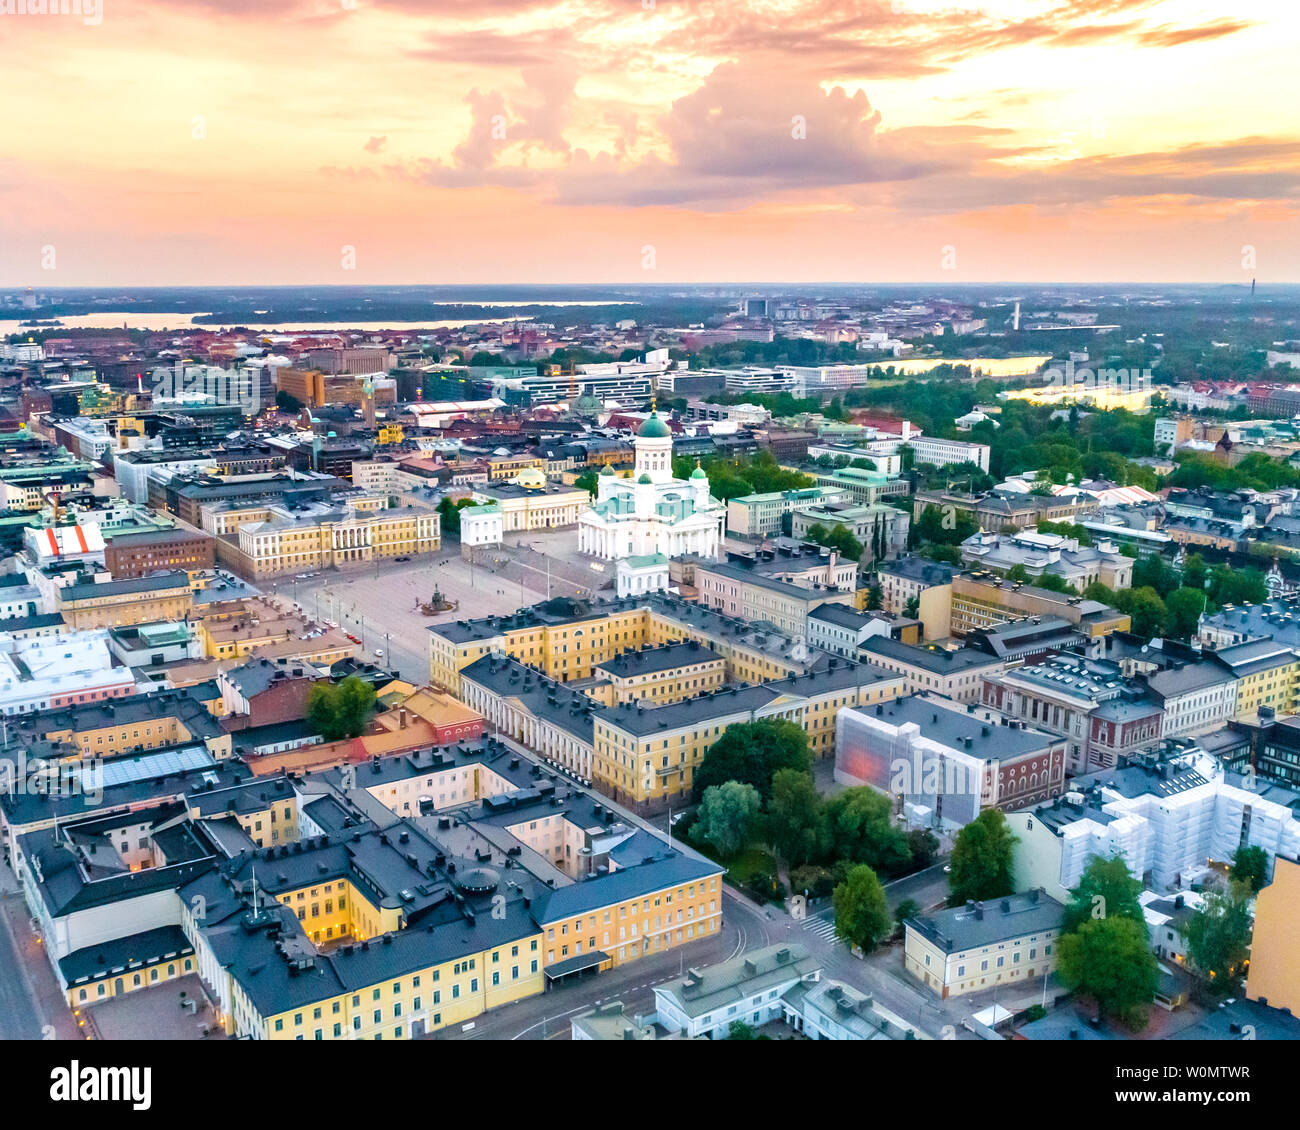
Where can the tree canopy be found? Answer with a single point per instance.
(1110, 960)
(981, 859)
(1106, 889)
(862, 915)
(727, 816)
(1250, 866)
(1218, 938)
(796, 818)
(341, 710)
(751, 753)
(861, 829)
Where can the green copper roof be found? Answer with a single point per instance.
(654, 428)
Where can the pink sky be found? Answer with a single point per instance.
(450, 141)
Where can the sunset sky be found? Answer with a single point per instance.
(458, 141)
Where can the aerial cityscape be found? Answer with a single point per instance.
(660, 548)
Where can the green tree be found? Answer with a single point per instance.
(588, 481)
(1099, 592)
(908, 908)
(1106, 889)
(752, 752)
(341, 710)
(945, 526)
(1018, 573)
(981, 859)
(1053, 582)
(1250, 866)
(841, 540)
(1218, 938)
(924, 847)
(1237, 586)
(875, 597)
(796, 819)
(861, 830)
(862, 915)
(287, 402)
(1110, 960)
(1195, 572)
(1145, 609)
(727, 817)
(449, 513)
(1183, 608)
(1153, 571)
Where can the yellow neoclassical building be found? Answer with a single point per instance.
(267, 539)
(566, 638)
(645, 754)
(364, 923)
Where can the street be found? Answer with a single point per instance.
(31, 1004)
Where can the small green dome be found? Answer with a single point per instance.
(699, 473)
(607, 470)
(645, 478)
(654, 428)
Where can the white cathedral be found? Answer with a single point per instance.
(653, 513)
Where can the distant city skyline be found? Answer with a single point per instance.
(619, 142)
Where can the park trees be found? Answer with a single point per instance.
(727, 817)
(797, 821)
(981, 859)
(1218, 938)
(341, 710)
(862, 915)
(1110, 960)
(1106, 889)
(751, 753)
(860, 827)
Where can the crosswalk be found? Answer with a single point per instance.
(824, 928)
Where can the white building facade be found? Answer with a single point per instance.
(653, 513)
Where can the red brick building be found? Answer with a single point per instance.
(138, 555)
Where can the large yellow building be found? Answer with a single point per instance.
(265, 539)
(662, 675)
(356, 925)
(1267, 673)
(235, 629)
(982, 600)
(1274, 957)
(566, 638)
(115, 604)
(133, 724)
(645, 755)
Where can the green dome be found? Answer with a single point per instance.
(699, 473)
(607, 470)
(645, 478)
(654, 428)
